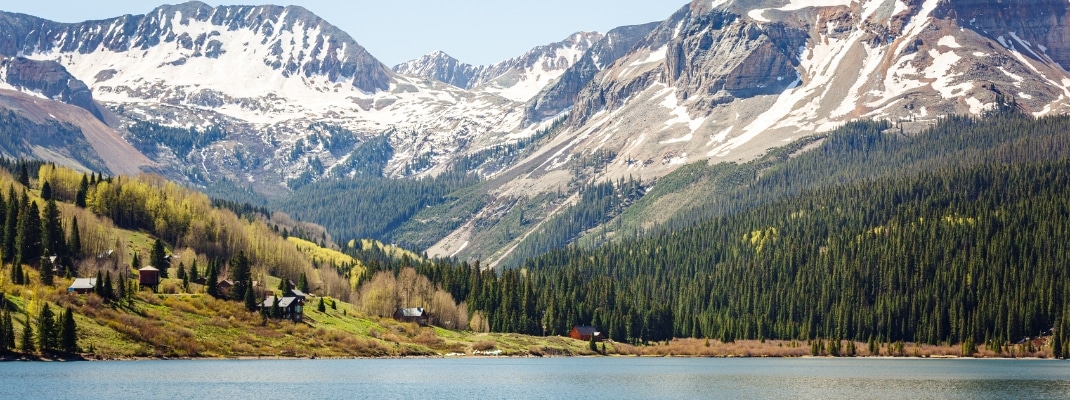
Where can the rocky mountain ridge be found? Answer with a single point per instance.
(717, 81)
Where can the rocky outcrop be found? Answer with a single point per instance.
(325, 50)
(50, 80)
(443, 68)
(1039, 24)
(561, 95)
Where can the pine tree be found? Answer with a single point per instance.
(16, 274)
(321, 307)
(212, 281)
(302, 283)
(3, 331)
(69, 333)
(108, 289)
(158, 258)
(28, 240)
(46, 329)
(52, 239)
(276, 312)
(28, 345)
(194, 275)
(122, 282)
(135, 262)
(11, 227)
(74, 248)
(46, 270)
(83, 191)
(46, 191)
(23, 176)
(8, 333)
(98, 286)
(250, 297)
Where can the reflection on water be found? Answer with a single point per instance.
(618, 378)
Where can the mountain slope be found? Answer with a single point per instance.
(517, 79)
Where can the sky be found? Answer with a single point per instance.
(394, 31)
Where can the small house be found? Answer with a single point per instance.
(82, 286)
(585, 333)
(289, 308)
(149, 277)
(224, 288)
(416, 314)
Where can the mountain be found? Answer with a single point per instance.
(276, 80)
(725, 81)
(517, 79)
(275, 98)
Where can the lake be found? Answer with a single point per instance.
(547, 378)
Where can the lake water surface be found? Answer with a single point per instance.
(549, 378)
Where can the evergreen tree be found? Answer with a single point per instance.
(23, 176)
(593, 345)
(28, 240)
(135, 262)
(98, 286)
(212, 280)
(69, 333)
(276, 312)
(46, 329)
(28, 345)
(158, 258)
(321, 307)
(302, 283)
(122, 282)
(11, 228)
(194, 274)
(52, 237)
(3, 331)
(83, 191)
(8, 333)
(46, 270)
(16, 274)
(334, 304)
(108, 289)
(46, 191)
(74, 248)
(250, 297)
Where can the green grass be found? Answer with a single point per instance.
(197, 325)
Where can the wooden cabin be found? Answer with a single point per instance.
(82, 286)
(584, 332)
(416, 314)
(149, 277)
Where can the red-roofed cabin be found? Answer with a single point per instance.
(583, 332)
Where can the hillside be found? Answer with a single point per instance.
(953, 236)
(108, 227)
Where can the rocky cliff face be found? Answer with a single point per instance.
(561, 95)
(517, 79)
(48, 79)
(443, 68)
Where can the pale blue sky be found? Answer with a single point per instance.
(473, 31)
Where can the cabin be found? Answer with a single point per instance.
(224, 288)
(417, 315)
(82, 286)
(585, 333)
(289, 308)
(149, 277)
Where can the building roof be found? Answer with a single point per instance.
(298, 293)
(586, 330)
(411, 312)
(283, 302)
(225, 282)
(83, 284)
(148, 268)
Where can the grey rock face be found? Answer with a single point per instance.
(50, 79)
(560, 96)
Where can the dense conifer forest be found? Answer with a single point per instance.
(955, 235)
